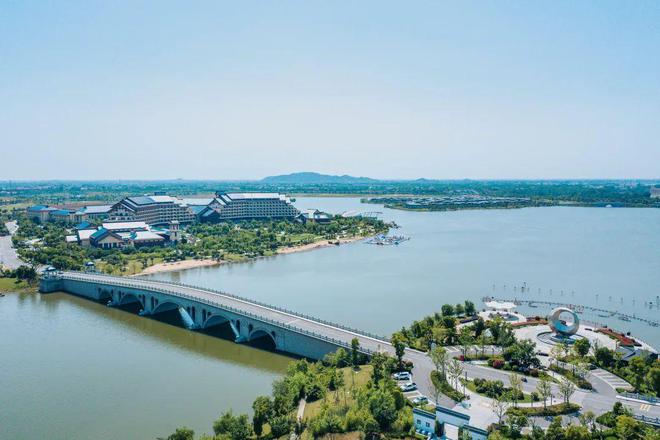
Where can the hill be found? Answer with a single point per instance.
(315, 178)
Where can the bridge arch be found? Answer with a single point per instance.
(129, 298)
(265, 335)
(166, 306)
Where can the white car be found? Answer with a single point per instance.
(402, 375)
(410, 386)
(420, 400)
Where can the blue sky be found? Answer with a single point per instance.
(229, 90)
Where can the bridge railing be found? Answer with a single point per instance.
(124, 283)
(259, 303)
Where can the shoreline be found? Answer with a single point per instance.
(192, 264)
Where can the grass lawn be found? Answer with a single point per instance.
(10, 285)
(360, 377)
(470, 386)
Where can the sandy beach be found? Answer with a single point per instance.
(179, 265)
(191, 264)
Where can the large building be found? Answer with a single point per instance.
(248, 206)
(112, 235)
(44, 213)
(156, 209)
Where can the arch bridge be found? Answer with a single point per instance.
(203, 308)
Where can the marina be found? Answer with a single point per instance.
(387, 240)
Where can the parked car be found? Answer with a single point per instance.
(402, 375)
(410, 386)
(524, 379)
(420, 400)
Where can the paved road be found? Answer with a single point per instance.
(601, 399)
(8, 256)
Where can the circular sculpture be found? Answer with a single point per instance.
(561, 327)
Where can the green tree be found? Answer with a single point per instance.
(469, 308)
(653, 378)
(581, 347)
(544, 389)
(447, 310)
(383, 408)
(263, 411)
(459, 309)
(182, 434)
(440, 358)
(236, 427)
(638, 368)
(399, 348)
(555, 430)
(355, 353)
(628, 428)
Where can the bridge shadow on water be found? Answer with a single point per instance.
(168, 328)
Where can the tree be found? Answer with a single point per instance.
(263, 410)
(482, 341)
(588, 419)
(447, 310)
(355, 354)
(555, 430)
(459, 309)
(440, 358)
(628, 428)
(455, 370)
(516, 387)
(383, 408)
(182, 434)
(437, 384)
(469, 308)
(638, 368)
(466, 339)
(236, 427)
(604, 356)
(566, 389)
(544, 389)
(500, 405)
(399, 348)
(581, 347)
(577, 432)
(479, 326)
(653, 378)
(522, 354)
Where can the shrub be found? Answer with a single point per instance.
(552, 410)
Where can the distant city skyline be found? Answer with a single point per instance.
(387, 90)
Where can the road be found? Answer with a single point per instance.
(600, 400)
(8, 256)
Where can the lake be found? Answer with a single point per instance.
(74, 369)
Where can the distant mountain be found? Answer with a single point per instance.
(315, 178)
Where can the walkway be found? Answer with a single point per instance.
(8, 256)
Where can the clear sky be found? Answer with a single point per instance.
(230, 90)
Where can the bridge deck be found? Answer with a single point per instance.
(271, 314)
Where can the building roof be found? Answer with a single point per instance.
(41, 208)
(125, 226)
(85, 234)
(84, 225)
(138, 236)
(71, 239)
(60, 212)
(192, 202)
(99, 233)
(95, 209)
(196, 209)
(252, 196)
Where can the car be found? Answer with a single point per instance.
(420, 400)
(524, 379)
(410, 386)
(401, 375)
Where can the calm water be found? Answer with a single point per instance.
(459, 255)
(73, 369)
